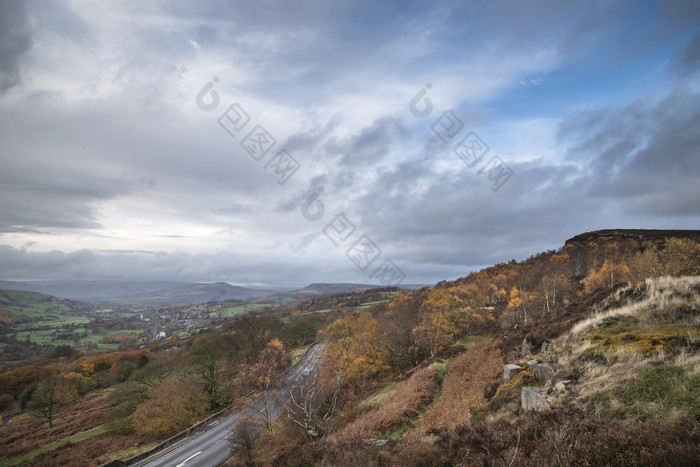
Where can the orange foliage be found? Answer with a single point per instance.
(468, 378)
(172, 406)
(607, 276)
(403, 405)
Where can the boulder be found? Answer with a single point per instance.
(526, 348)
(533, 399)
(559, 389)
(376, 442)
(509, 371)
(543, 371)
(546, 348)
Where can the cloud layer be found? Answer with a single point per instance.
(111, 169)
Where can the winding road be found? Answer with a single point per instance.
(209, 446)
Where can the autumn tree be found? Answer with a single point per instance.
(552, 285)
(402, 315)
(444, 315)
(646, 263)
(681, 257)
(355, 349)
(607, 276)
(172, 405)
(51, 395)
(514, 302)
(250, 333)
(207, 358)
(266, 375)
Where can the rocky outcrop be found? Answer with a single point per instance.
(533, 399)
(509, 371)
(526, 348)
(657, 237)
(543, 371)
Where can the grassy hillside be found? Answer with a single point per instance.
(603, 338)
(37, 307)
(587, 355)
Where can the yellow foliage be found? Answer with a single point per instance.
(608, 275)
(355, 349)
(88, 369)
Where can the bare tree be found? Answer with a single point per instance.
(243, 435)
(51, 395)
(313, 405)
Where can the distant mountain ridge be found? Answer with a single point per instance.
(196, 293)
(157, 293)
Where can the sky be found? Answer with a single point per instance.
(297, 141)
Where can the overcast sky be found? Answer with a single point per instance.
(133, 135)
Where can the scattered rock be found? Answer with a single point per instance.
(509, 371)
(526, 348)
(546, 348)
(533, 399)
(376, 442)
(559, 389)
(543, 371)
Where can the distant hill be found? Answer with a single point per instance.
(24, 305)
(195, 293)
(321, 288)
(98, 290)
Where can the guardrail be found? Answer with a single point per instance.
(186, 432)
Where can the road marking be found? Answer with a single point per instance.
(185, 461)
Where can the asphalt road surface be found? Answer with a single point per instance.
(209, 446)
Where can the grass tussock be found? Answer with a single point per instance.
(379, 397)
(399, 408)
(469, 379)
(646, 338)
(655, 294)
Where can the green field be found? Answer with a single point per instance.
(237, 310)
(43, 316)
(33, 305)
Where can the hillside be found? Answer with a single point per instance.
(584, 355)
(26, 306)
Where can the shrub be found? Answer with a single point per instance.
(469, 378)
(6, 400)
(26, 396)
(403, 405)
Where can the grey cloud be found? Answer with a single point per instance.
(19, 264)
(40, 200)
(642, 148)
(687, 59)
(15, 42)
